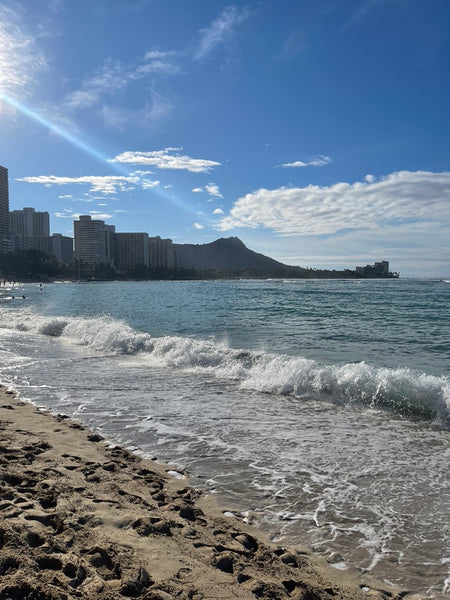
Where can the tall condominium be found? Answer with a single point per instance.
(62, 247)
(57, 245)
(30, 223)
(4, 201)
(90, 240)
(161, 252)
(131, 249)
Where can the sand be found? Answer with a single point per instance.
(82, 518)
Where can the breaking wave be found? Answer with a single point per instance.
(400, 390)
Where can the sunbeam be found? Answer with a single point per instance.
(90, 150)
(59, 131)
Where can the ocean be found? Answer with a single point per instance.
(317, 409)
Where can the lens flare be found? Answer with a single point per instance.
(90, 150)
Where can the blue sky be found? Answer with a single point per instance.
(316, 131)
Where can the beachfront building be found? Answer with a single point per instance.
(4, 201)
(161, 252)
(39, 242)
(57, 245)
(62, 247)
(90, 240)
(110, 232)
(29, 223)
(378, 269)
(9, 242)
(130, 250)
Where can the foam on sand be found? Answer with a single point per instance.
(84, 519)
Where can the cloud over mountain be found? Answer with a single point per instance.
(317, 210)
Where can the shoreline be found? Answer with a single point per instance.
(86, 519)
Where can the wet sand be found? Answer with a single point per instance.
(81, 518)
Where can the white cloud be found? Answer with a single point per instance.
(218, 211)
(96, 214)
(104, 184)
(104, 89)
(148, 184)
(220, 31)
(401, 197)
(71, 215)
(154, 111)
(297, 163)
(115, 116)
(65, 196)
(156, 61)
(21, 59)
(166, 159)
(109, 78)
(198, 226)
(318, 161)
(213, 190)
(80, 99)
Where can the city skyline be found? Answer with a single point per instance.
(318, 134)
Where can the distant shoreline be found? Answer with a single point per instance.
(198, 276)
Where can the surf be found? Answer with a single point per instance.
(402, 391)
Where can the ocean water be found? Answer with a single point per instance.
(320, 410)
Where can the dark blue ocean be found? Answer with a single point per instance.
(317, 409)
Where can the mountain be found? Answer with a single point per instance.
(226, 254)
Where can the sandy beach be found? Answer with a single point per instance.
(81, 518)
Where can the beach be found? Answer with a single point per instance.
(83, 518)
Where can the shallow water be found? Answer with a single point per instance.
(258, 390)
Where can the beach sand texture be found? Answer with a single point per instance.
(81, 518)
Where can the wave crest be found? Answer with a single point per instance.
(401, 390)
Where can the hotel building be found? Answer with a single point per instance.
(131, 249)
(90, 240)
(29, 223)
(4, 201)
(161, 252)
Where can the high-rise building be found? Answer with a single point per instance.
(30, 223)
(109, 243)
(62, 247)
(39, 242)
(90, 240)
(4, 201)
(161, 252)
(131, 249)
(57, 245)
(10, 242)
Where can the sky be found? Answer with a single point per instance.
(316, 131)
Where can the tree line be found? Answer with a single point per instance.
(35, 265)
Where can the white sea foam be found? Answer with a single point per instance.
(400, 390)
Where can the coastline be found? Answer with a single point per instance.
(85, 519)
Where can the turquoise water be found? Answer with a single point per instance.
(322, 408)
